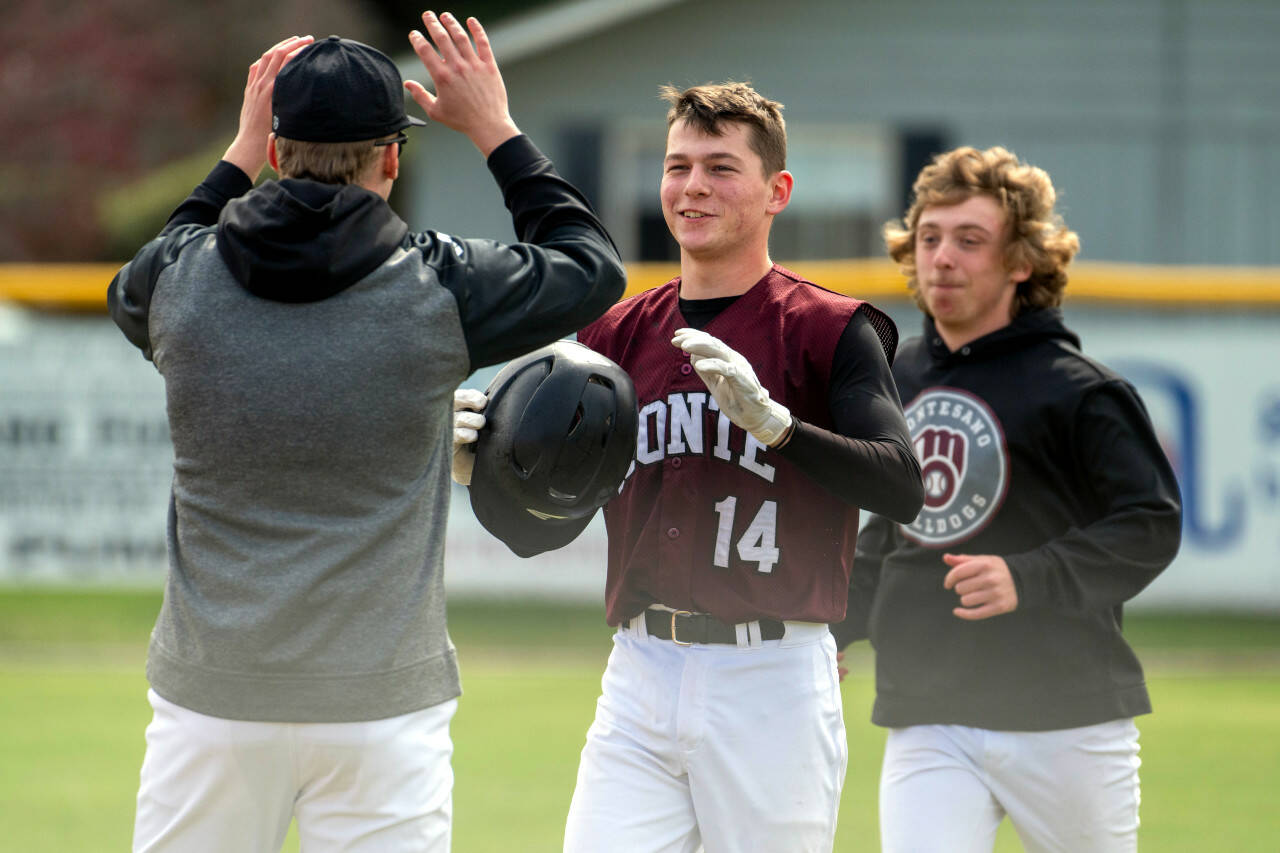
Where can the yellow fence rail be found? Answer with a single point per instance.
(70, 287)
(1091, 282)
(83, 287)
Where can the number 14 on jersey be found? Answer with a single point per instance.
(758, 543)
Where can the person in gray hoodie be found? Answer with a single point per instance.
(310, 344)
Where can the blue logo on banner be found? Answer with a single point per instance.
(1183, 438)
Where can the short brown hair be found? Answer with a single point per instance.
(327, 162)
(708, 107)
(1037, 236)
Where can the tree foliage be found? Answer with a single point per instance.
(99, 94)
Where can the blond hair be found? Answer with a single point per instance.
(327, 162)
(710, 106)
(1037, 236)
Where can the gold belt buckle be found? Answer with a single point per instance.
(674, 638)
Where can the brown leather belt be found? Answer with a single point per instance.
(685, 628)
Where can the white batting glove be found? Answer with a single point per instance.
(734, 386)
(467, 422)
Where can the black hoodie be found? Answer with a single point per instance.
(1033, 452)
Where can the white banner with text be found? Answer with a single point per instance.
(85, 459)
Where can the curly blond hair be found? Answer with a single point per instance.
(1037, 236)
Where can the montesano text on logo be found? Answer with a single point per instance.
(963, 461)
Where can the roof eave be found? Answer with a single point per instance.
(544, 29)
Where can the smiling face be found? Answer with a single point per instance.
(716, 198)
(959, 254)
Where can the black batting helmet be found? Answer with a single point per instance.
(559, 436)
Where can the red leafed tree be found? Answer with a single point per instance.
(96, 94)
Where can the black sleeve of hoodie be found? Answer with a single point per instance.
(867, 461)
(563, 274)
(876, 539)
(1124, 472)
(129, 294)
(206, 201)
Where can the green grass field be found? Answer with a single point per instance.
(73, 710)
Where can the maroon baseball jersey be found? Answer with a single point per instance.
(709, 519)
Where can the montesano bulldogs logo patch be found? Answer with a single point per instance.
(963, 461)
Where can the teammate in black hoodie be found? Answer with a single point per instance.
(996, 614)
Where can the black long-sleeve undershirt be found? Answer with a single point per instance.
(867, 460)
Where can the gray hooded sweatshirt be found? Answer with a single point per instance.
(310, 346)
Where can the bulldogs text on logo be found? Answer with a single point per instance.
(964, 464)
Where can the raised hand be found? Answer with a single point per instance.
(470, 96)
(248, 150)
(731, 380)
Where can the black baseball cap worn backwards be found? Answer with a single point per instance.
(339, 90)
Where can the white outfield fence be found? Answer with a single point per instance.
(85, 459)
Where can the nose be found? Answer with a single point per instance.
(696, 185)
(942, 255)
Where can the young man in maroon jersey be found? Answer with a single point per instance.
(768, 417)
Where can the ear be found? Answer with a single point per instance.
(271, 152)
(391, 162)
(780, 186)
(1020, 273)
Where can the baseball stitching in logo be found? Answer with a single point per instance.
(964, 464)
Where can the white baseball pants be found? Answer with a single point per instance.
(210, 785)
(738, 748)
(1065, 791)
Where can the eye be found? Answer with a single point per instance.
(676, 167)
(722, 168)
(928, 240)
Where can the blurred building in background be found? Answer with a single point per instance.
(1157, 119)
